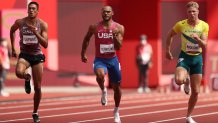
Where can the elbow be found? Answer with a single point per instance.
(45, 45)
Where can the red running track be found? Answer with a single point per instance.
(86, 108)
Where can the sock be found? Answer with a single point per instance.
(104, 90)
(116, 109)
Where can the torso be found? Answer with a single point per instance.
(29, 43)
(104, 45)
(190, 45)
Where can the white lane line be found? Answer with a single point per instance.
(95, 105)
(28, 103)
(126, 108)
(78, 98)
(152, 112)
(88, 106)
(95, 100)
(178, 118)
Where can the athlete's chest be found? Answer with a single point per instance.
(188, 30)
(104, 33)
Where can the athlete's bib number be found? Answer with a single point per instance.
(106, 48)
(192, 47)
(30, 39)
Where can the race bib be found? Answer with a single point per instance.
(192, 47)
(106, 48)
(30, 39)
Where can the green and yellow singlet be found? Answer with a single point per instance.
(190, 45)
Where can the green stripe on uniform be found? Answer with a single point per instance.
(189, 39)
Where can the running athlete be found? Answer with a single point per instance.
(33, 33)
(194, 33)
(108, 39)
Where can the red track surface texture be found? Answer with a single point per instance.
(86, 108)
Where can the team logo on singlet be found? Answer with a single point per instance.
(105, 35)
(180, 60)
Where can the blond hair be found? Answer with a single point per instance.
(192, 4)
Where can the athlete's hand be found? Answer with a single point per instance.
(115, 32)
(169, 55)
(84, 58)
(195, 36)
(14, 53)
(32, 27)
(116, 39)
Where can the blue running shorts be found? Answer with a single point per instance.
(110, 66)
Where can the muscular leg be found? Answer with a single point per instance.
(21, 68)
(195, 87)
(181, 75)
(100, 77)
(37, 71)
(117, 93)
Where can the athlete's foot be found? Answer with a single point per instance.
(140, 90)
(104, 97)
(27, 85)
(4, 93)
(190, 120)
(36, 118)
(116, 116)
(186, 87)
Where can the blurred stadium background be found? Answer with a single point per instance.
(68, 22)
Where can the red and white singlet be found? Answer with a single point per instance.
(104, 44)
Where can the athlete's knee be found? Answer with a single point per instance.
(179, 81)
(195, 92)
(100, 78)
(116, 87)
(19, 73)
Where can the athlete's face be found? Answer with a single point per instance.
(107, 13)
(192, 13)
(32, 11)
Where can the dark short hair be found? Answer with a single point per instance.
(33, 2)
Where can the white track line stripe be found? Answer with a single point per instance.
(153, 112)
(106, 110)
(94, 100)
(178, 118)
(94, 105)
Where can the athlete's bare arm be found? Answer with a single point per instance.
(43, 35)
(202, 41)
(118, 34)
(13, 29)
(86, 41)
(169, 41)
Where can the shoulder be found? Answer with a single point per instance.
(43, 23)
(119, 25)
(204, 23)
(93, 26)
(19, 21)
(182, 22)
(179, 25)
